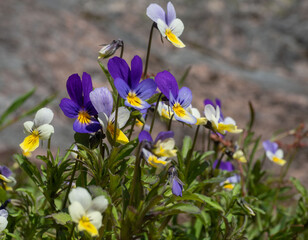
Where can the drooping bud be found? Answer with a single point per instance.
(109, 49)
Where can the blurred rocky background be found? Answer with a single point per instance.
(239, 51)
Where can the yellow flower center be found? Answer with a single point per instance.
(84, 117)
(179, 110)
(279, 161)
(133, 99)
(85, 224)
(228, 185)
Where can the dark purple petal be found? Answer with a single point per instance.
(164, 135)
(209, 101)
(5, 171)
(166, 83)
(171, 14)
(74, 88)
(146, 89)
(118, 68)
(122, 87)
(79, 127)
(177, 188)
(155, 12)
(270, 146)
(144, 135)
(90, 109)
(69, 108)
(184, 97)
(136, 72)
(86, 86)
(218, 102)
(225, 166)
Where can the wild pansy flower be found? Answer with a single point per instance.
(80, 106)
(37, 129)
(175, 182)
(179, 100)
(84, 211)
(127, 83)
(102, 101)
(6, 178)
(109, 49)
(153, 160)
(165, 111)
(230, 181)
(3, 219)
(239, 155)
(168, 25)
(274, 153)
(164, 144)
(219, 123)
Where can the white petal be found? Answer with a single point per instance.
(45, 131)
(209, 112)
(43, 116)
(99, 203)
(279, 153)
(146, 153)
(103, 120)
(123, 116)
(177, 27)
(95, 218)
(162, 26)
(4, 213)
(195, 112)
(168, 143)
(3, 223)
(82, 196)
(270, 155)
(76, 211)
(217, 113)
(229, 120)
(28, 126)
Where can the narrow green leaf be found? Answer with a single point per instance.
(61, 217)
(210, 202)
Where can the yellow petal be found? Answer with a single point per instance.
(174, 39)
(201, 121)
(120, 136)
(85, 224)
(279, 161)
(30, 143)
(228, 127)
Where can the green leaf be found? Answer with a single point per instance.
(61, 217)
(15, 105)
(184, 208)
(186, 146)
(300, 188)
(210, 202)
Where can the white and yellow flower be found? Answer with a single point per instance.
(3, 219)
(84, 211)
(218, 123)
(37, 129)
(195, 112)
(274, 153)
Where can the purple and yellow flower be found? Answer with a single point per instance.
(6, 178)
(230, 182)
(37, 129)
(127, 83)
(274, 153)
(102, 101)
(164, 144)
(175, 182)
(168, 25)
(219, 123)
(154, 161)
(80, 106)
(179, 100)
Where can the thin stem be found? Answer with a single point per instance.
(70, 185)
(170, 122)
(190, 153)
(148, 52)
(72, 232)
(132, 128)
(122, 50)
(156, 106)
(136, 173)
(145, 120)
(116, 121)
(219, 160)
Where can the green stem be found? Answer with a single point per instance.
(122, 50)
(156, 106)
(219, 160)
(135, 177)
(148, 52)
(70, 185)
(190, 153)
(170, 122)
(72, 232)
(132, 128)
(116, 121)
